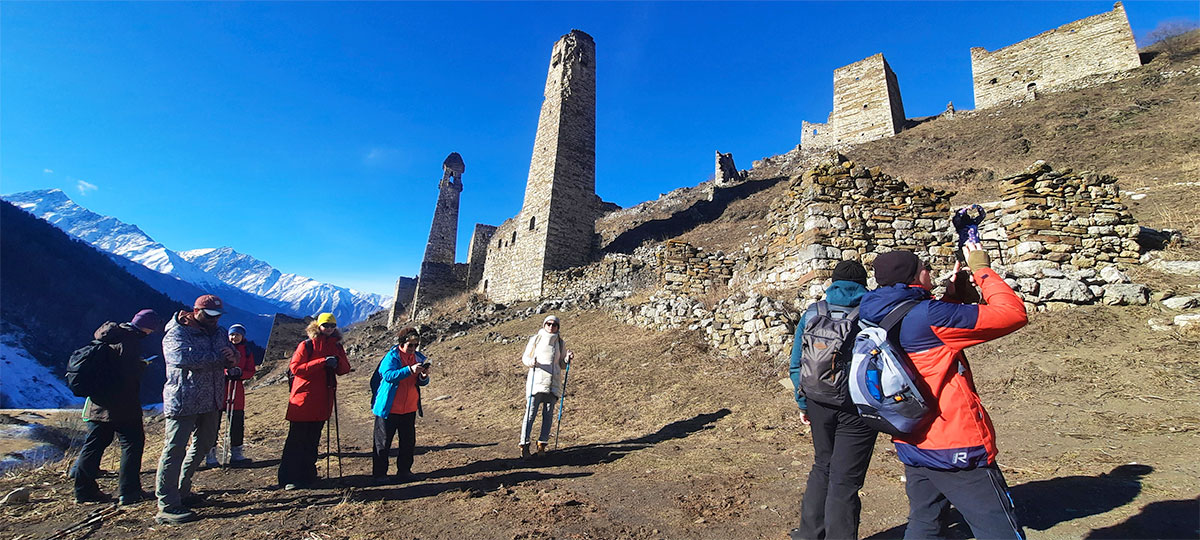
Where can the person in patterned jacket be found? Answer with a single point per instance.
(953, 459)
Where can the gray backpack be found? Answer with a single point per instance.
(826, 350)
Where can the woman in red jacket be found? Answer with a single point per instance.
(314, 387)
(243, 371)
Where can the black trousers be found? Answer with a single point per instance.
(132, 439)
(843, 445)
(237, 428)
(298, 465)
(403, 425)
(979, 494)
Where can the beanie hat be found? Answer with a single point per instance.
(237, 329)
(147, 319)
(549, 318)
(896, 267)
(209, 301)
(326, 318)
(850, 271)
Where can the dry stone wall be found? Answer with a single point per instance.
(1099, 44)
(866, 106)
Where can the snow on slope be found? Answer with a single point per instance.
(24, 383)
(239, 279)
(303, 295)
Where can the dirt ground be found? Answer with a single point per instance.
(1097, 417)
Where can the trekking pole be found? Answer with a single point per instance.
(561, 401)
(329, 385)
(230, 396)
(337, 430)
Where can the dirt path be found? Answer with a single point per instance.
(663, 441)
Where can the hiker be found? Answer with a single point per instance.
(311, 403)
(197, 353)
(546, 357)
(243, 371)
(953, 459)
(116, 410)
(842, 443)
(396, 404)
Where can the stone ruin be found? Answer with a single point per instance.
(727, 173)
(866, 94)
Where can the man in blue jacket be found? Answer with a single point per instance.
(842, 443)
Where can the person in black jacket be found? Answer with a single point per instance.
(116, 410)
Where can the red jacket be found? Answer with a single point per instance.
(934, 335)
(312, 393)
(246, 362)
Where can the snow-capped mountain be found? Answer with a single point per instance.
(301, 294)
(238, 279)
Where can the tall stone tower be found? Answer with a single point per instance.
(557, 221)
(439, 276)
(866, 106)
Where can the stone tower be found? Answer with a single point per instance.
(439, 276)
(557, 221)
(866, 106)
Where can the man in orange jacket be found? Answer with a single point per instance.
(953, 459)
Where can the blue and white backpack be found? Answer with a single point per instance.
(883, 380)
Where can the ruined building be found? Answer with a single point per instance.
(440, 276)
(866, 106)
(1098, 44)
(557, 221)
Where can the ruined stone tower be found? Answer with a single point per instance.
(866, 106)
(1099, 44)
(557, 221)
(439, 275)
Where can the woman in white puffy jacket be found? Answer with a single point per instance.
(546, 357)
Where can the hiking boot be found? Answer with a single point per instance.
(541, 449)
(236, 456)
(291, 487)
(524, 451)
(134, 498)
(96, 496)
(174, 515)
(404, 478)
(193, 499)
(211, 459)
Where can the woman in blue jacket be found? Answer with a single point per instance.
(397, 403)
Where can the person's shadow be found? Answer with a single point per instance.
(1162, 519)
(1043, 504)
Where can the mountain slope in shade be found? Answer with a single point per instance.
(302, 295)
(236, 278)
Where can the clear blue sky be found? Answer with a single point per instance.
(311, 135)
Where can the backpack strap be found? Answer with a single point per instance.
(822, 309)
(897, 314)
(853, 314)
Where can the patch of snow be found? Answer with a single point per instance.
(24, 383)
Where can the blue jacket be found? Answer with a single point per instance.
(392, 372)
(840, 294)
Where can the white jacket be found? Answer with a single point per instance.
(545, 355)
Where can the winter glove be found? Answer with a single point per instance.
(233, 373)
(331, 362)
(977, 257)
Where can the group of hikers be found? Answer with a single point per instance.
(206, 367)
(949, 453)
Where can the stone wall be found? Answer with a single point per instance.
(866, 106)
(555, 227)
(687, 270)
(1099, 44)
(406, 287)
(477, 253)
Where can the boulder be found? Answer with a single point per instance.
(1185, 268)
(1126, 294)
(1064, 290)
(16, 496)
(1110, 274)
(1189, 320)
(1181, 302)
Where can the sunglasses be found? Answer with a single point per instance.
(212, 312)
(329, 325)
(413, 342)
(552, 324)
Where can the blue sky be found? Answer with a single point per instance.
(311, 135)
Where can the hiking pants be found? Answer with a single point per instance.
(132, 439)
(188, 439)
(979, 494)
(543, 401)
(405, 427)
(842, 446)
(237, 428)
(298, 465)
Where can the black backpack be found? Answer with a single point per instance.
(827, 348)
(88, 367)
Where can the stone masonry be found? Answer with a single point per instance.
(1099, 44)
(406, 287)
(439, 278)
(866, 106)
(477, 253)
(556, 225)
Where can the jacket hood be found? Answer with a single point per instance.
(876, 304)
(845, 293)
(313, 330)
(111, 332)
